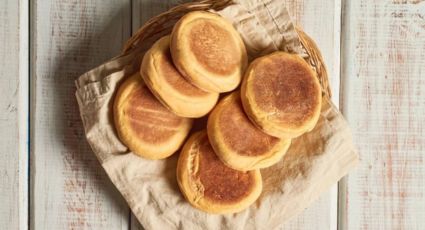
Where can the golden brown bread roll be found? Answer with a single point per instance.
(238, 142)
(281, 94)
(144, 125)
(211, 186)
(170, 87)
(208, 51)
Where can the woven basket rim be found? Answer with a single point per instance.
(155, 25)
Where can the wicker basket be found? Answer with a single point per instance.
(318, 158)
(163, 23)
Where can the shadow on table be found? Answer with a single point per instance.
(89, 196)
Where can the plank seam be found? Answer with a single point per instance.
(342, 183)
(31, 105)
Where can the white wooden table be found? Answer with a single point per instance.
(49, 178)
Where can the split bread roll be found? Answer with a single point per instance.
(170, 87)
(281, 94)
(211, 186)
(208, 51)
(144, 125)
(238, 142)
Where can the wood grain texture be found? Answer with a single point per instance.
(384, 102)
(325, 30)
(69, 189)
(13, 153)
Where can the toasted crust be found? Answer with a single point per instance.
(145, 126)
(170, 87)
(208, 51)
(281, 94)
(237, 142)
(190, 180)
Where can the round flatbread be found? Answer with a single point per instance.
(170, 87)
(238, 142)
(211, 186)
(281, 94)
(208, 51)
(144, 125)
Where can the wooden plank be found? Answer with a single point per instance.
(321, 20)
(23, 108)
(143, 10)
(325, 30)
(69, 189)
(384, 102)
(13, 111)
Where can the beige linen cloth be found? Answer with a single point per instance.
(315, 161)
